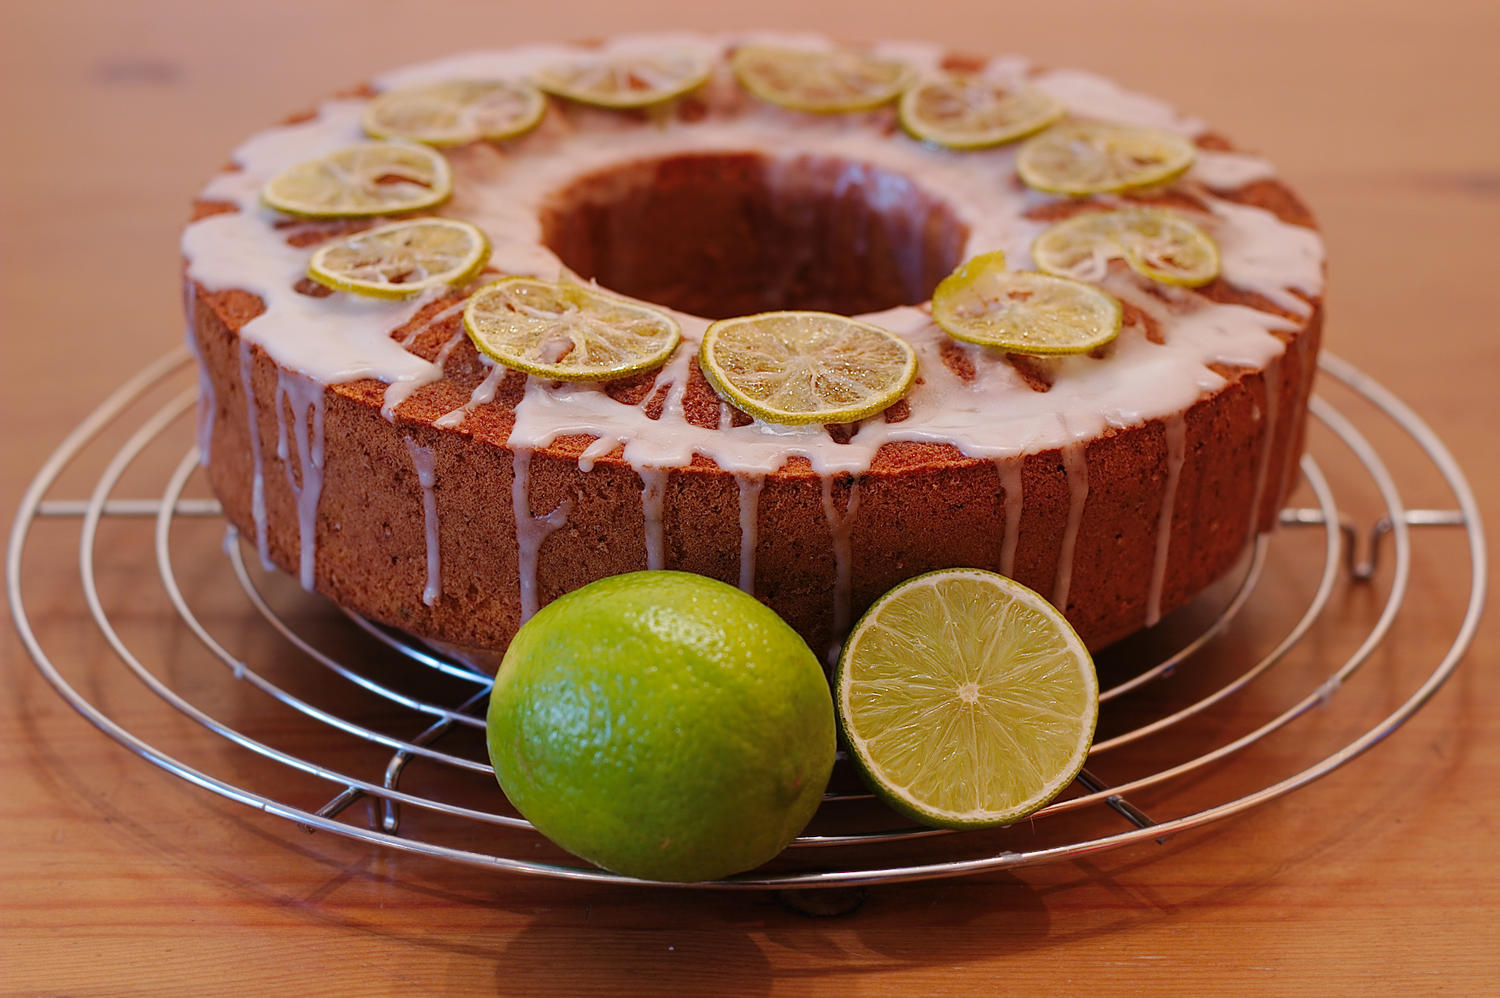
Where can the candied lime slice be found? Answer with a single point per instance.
(358, 181)
(1158, 244)
(453, 112)
(401, 259)
(1022, 311)
(806, 367)
(1087, 157)
(625, 80)
(971, 112)
(826, 82)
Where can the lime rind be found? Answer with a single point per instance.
(362, 181)
(567, 332)
(401, 259)
(1022, 311)
(966, 700)
(625, 81)
(966, 112)
(820, 81)
(803, 367)
(1085, 157)
(1157, 244)
(455, 112)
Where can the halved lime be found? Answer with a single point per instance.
(1022, 311)
(966, 699)
(626, 80)
(806, 367)
(567, 332)
(1089, 157)
(358, 181)
(1158, 244)
(452, 112)
(970, 112)
(401, 259)
(825, 82)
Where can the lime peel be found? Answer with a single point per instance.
(662, 725)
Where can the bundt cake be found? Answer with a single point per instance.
(366, 446)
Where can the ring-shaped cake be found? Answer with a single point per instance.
(365, 446)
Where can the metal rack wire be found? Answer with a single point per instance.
(458, 811)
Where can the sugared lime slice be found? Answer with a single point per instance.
(1022, 311)
(567, 332)
(625, 80)
(806, 367)
(371, 178)
(826, 82)
(452, 112)
(966, 699)
(1161, 245)
(1086, 157)
(401, 259)
(969, 112)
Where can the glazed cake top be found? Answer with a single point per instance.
(973, 398)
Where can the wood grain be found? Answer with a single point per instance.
(117, 879)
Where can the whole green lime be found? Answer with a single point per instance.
(662, 725)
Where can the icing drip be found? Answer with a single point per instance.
(305, 399)
(1273, 400)
(1176, 430)
(399, 391)
(749, 486)
(1076, 463)
(207, 403)
(1010, 484)
(841, 526)
(530, 530)
(483, 393)
(258, 483)
(653, 493)
(422, 459)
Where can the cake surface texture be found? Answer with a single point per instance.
(367, 447)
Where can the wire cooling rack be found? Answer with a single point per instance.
(273, 698)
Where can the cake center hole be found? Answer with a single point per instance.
(725, 234)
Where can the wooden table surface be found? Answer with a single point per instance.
(116, 878)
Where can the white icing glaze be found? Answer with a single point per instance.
(1272, 378)
(422, 459)
(749, 488)
(1010, 485)
(530, 530)
(1176, 431)
(994, 415)
(257, 463)
(304, 398)
(1076, 463)
(840, 526)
